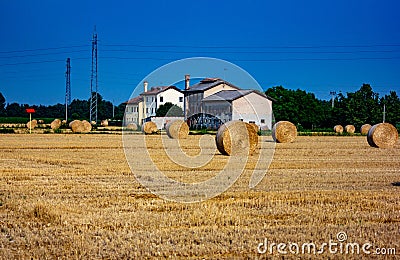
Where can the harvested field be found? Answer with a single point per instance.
(74, 196)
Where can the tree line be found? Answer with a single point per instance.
(357, 108)
(298, 106)
(78, 109)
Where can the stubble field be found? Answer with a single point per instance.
(74, 197)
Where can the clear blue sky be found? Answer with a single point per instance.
(318, 46)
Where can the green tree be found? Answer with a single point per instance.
(360, 107)
(298, 106)
(2, 105)
(169, 109)
(392, 103)
(15, 110)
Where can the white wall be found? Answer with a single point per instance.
(255, 108)
(170, 95)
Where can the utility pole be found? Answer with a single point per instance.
(384, 113)
(113, 108)
(333, 94)
(93, 80)
(67, 88)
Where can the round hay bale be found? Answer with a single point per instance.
(71, 123)
(40, 121)
(284, 132)
(150, 128)
(383, 135)
(255, 127)
(55, 124)
(338, 129)
(32, 124)
(365, 128)
(236, 138)
(104, 122)
(77, 126)
(132, 126)
(64, 122)
(350, 129)
(87, 127)
(177, 129)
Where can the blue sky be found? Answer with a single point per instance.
(318, 46)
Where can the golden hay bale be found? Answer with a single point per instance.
(55, 124)
(64, 122)
(383, 135)
(32, 124)
(255, 127)
(177, 129)
(236, 138)
(132, 126)
(338, 129)
(150, 128)
(72, 122)
(87, 127)
(104, 122)
(365, 128)
(77, 126)
(284, 132)
(92, 122)
(40, 121)
(350, 129)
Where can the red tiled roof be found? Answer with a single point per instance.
(159, 89)
(134, 100)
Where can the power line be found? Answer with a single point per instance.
(255, 47)
(41, 54)
(46, 49)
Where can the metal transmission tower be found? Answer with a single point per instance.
(93, 80)
(67, 87)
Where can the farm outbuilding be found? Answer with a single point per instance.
(213, 101)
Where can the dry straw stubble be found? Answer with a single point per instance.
(382, 135)
(284, 132)
(236, 138)
(177, 129)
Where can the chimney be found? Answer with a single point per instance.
(145, 86)
(187, 81)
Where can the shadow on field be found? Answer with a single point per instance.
(396, 183)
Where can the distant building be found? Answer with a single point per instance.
(145, 106)
(213, 101)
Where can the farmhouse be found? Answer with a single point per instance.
(213, 101)
(145, 106)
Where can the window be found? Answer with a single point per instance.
(180, 99)
(147, 99)
(262, 121)
(161, 99)
(147, 110)
(152, 99)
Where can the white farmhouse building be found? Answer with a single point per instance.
(145, 106)
(213, 101)
(134, 111)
